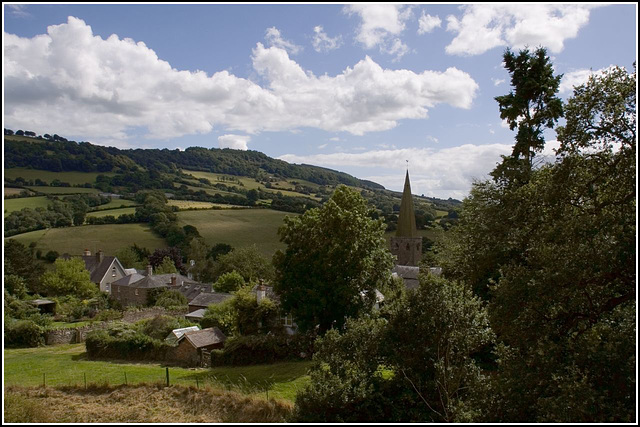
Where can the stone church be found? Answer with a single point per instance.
(406, 245)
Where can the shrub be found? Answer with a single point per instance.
(170, 299)
(108, 314)
(127, 345)
(259, 349)
(23, 333)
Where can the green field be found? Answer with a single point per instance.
(11, 191)
(238, 227)
(72, 178)
(108, 237)
(114, 204)
(11, 205)
(67, 364)
(64, 190)
(114, 212)
(193, 204)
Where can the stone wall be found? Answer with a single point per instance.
(133, 316)
(70, 335)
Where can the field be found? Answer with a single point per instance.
(114, 204)
(193, 204)
(11, 205)
(64, 190)
(109, 238)
(72, 178)
(238, 227)
(67, 365)
(11, 191)
(115, 212)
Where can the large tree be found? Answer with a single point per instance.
(531, 106)
(336, 257)
(556, 258)
(70, 277)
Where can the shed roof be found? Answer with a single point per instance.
(204, 338)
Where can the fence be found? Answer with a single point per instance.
(165, 377)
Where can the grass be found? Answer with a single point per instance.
(11, 205)
(114, 212)
(67, 365)
(115, 204)
(12, 191)
(193, 204)
(72, 178)
(108, 237)
(238, 227)
(138, 404)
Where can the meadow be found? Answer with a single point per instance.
(108, 237)
(68, 365)
(115, 204)
(114, 212)
(238, 227)
(11, 205)
(63, 190)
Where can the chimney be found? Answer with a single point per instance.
(86, 252)
(149, 270)
(261, 292)
(173, 280)
(99, 256)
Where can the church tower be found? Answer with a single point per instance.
(406, 245)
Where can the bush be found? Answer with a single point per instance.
(23, 333)
(170, 299)
(109, 314)
(127, 345)
(259, 349)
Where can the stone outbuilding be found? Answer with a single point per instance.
(194, 347)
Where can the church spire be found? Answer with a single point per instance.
(407, 217)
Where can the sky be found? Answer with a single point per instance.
(367, 89)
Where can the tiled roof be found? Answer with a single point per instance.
(192, 289)
(207, 298)
(204, 337)
(198, 314)
(177, 333)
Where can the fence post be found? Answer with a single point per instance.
(197, 383)
(125, 378)
(85, 380)
(167, 376)
(44, 380)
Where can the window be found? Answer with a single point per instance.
(287, 320)
(113, 272)
(136, 292)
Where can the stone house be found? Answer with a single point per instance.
(194, 347)
(205, 299)
(104, 270)
(135, 288)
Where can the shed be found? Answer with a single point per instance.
(176, 334)
(193, 345)
(44, 305)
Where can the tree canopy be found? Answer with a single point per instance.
(336, 257)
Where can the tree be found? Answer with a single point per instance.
(229, 282)
(247, 261)
(530, 107)
(70, 277)
(166, 267)
(173, 253)
(414, 362)
(556, 259)
(19, 260)
(336, 257)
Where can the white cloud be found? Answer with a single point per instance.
(237, 142)
(73, 83)
(428, 23)
(274, 38)
(18, 10)
(323, 43)
(577, 78)
(380, 25)
(447, 172)
(485, 26)
(497, 82)
(323, 146)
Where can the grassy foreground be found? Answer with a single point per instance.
(138, 404)
(67, 365)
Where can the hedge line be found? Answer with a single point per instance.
(262, 349)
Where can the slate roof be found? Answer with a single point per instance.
(204, 338)
(408, 273)
(198, 314)
(205, 299)
(191, 290)
(177, 333)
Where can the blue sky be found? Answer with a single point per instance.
(360, 88)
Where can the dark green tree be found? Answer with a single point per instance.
(531, 106)
(336, 257)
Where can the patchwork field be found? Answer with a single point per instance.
(238, 227)
(64, 190)
(193, 204)
(114, 204)
(109, 238)
(114, 212)
(11, 205)
(11, 191)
